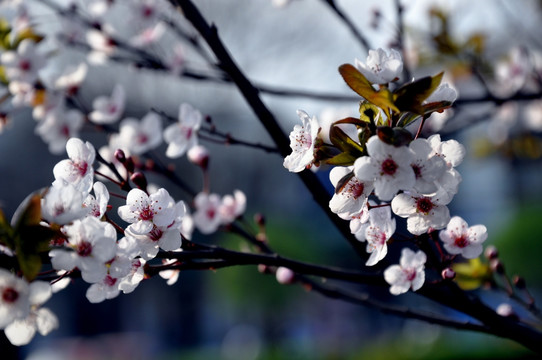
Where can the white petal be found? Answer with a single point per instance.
(40, 292)
(46, 321)
(20, 332)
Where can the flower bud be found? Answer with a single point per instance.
(259, 219)
(448, 274)
(120, 156)
(129, 165)
(519, 282)
(199, 155)
(263, 269)
(285, 276)
(491, 252)
(139, 180)
(506, 311)
(496, 266)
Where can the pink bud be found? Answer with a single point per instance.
(506, 310)
(120, 156)
(199, 155)
(448, 273)
(491, 252)
(139, 180)
(285, 276)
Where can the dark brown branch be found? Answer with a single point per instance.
(251, 95)
(355, 31)
(241, 258)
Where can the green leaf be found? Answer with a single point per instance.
(369, 113)
(31, 238)
(342, 159)
(410, 97)
(6, 232)
(428, 109)
(357, 82)
(344, 142)
(30, 265)
(472, 274)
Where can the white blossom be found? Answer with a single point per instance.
(388, 166)
(166, 237)
(58, 126)
(24, 64)
(144, 211)
(303, 141)
(137, 137)
(459, 238)
(350, 199)
(207, 216)
(22, 330)
(422, 212)
(77, 170)
(232, 207)
(71, 78)
(380, 67)
(182, 136)
(14, 298)
(380, 228)
(97, 203)
(62, 204)
(91, 244)
(108, 110)
(409, 274)
(427, 167)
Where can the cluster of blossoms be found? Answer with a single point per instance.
(110, 259)
(382, 171)
(389, 172)
(34, 81)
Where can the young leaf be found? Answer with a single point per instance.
(341, 140)
(438, 106)
(472, 274)
(410, 97)
(342, 159)
(396, 136)
(357, 82)
(30, 236)
(370, 114)
(6, 232)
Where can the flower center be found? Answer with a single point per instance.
(110, 281)
(112, 108)
(84, 249)
(461, 241)
(142, 138)
(417, 171)
(81, 168)
(59, 209)
(10, 295)
(147, 11)
(187, 132)
(410, 274)
(211, 213)
(389, 167)
(25, 65)
(356, 189)
(424, 205)
(146, 214)
(65, 130)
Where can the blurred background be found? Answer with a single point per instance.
(240, 314)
